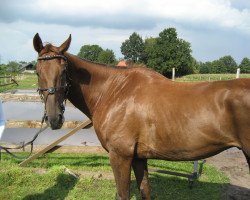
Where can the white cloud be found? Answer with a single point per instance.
(126, 14)
(108, 23)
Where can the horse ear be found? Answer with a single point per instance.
(64, 47)
(37, 43)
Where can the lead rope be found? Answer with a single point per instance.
(31, 143)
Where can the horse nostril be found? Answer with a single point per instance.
(46, 118)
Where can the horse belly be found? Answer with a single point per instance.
(175, 152)
(194, 139)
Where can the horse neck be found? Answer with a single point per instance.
(88, 84)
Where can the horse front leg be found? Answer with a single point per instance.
(122, 172)
(141, 173)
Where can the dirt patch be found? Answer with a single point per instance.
(23, 98)
(37, 124)
(234, 165)
(19, 97)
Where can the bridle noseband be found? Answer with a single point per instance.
(53, 90)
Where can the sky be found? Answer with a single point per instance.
(214, 28)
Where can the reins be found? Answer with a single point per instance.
(51, 91)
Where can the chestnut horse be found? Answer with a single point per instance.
(138, 114)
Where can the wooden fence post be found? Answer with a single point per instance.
(238, 73)
(173, 74)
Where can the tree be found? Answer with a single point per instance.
(205, 68)
(170, 51)
(3, 69)
(245, 65)
(13, 67)
(133, 48)
(106, 56)
(148, 47)
(225, 64)
(228, 65)
(90, 52)
(218, 67)
(195, 66)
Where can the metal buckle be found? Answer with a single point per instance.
(51, 90)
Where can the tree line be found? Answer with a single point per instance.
(14, 67)
(160, 53)
(163, 53)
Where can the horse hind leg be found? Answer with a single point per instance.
(141, 173)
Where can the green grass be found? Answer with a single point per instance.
(54, 183)
(28, 81)
(210, 77)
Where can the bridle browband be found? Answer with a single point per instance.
(53, 90)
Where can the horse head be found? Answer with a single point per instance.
(53, 81)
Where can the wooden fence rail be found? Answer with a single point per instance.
(7, 80)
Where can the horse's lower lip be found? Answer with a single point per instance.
(57, 126)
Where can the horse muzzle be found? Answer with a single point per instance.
(55, 122)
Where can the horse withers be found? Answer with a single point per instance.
(139, 114)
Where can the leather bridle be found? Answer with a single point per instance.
(53, 90)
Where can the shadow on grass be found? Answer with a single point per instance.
(235, 192)
(163, 188)
(64, 183)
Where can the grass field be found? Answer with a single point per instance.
(46, 178)
(210, 77)
(29, 81)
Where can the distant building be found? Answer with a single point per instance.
(27, 68)
(123, 63)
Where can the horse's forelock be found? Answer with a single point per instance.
(48, 47)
